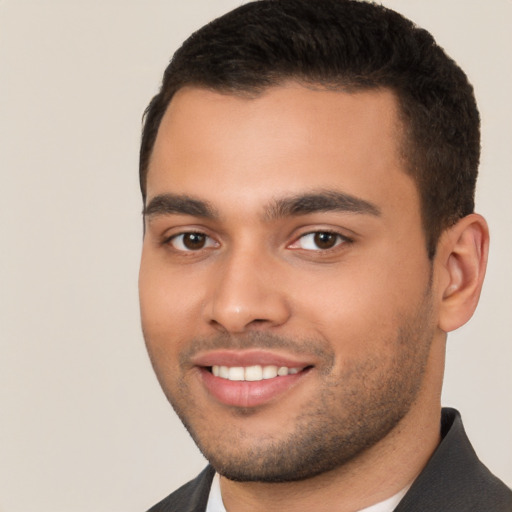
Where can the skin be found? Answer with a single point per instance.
(368, 312)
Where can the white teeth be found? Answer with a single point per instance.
(252, 373)
(236, 373)
(269, 372)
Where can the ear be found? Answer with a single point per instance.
(461, 260)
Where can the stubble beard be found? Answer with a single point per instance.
(352, 412)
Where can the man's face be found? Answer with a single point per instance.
(285, 287)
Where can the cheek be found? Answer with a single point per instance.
(168, 300)
(360, 308)
(161, 321)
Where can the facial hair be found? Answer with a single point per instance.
(354, 408)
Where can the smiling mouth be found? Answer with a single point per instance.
(250, 385)
(253, 373)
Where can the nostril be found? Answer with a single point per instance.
(237, 309)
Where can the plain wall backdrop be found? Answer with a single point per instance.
(84, 425)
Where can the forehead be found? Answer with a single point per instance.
(284, 141)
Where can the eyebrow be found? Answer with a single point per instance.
(322, 201)
(169, 204)
(302, 204)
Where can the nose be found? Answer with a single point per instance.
(247, 293)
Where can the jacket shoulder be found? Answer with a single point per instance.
(191, 497)
(455, 479)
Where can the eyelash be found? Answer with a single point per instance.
(169, 241)
(339, 240)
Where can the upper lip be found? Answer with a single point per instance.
(248, 358)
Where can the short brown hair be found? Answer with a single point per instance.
(344, 45)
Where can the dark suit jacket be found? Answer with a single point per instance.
(454, 480)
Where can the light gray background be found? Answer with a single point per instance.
(83, 423)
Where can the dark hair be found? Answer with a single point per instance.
(345, 45)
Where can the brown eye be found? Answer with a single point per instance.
(194, 241)
(191, 241)
(325, 240)
(319, 241)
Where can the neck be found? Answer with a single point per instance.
(373, 476)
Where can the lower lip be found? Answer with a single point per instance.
(249, 394)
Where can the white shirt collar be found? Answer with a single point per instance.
(215, 498)
(215, 503)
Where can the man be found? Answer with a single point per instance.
(308, 174)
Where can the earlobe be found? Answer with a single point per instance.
(462, 254)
